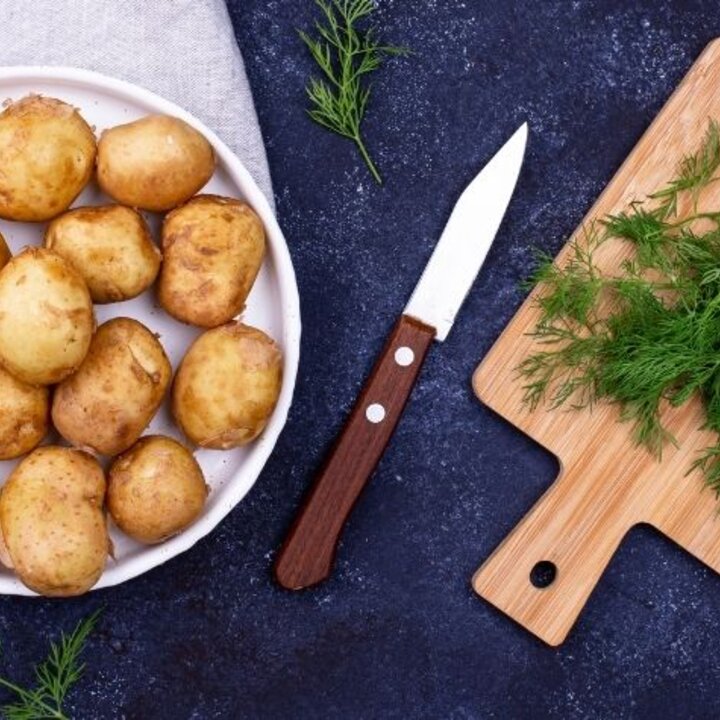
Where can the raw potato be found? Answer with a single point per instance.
(155, 490)
(110, 247)
(47, 156)
(53, 522)
(155, 163)
(213, 248)
(5, 253)
(24, 416)
(227, 386)
(46, 317)
(107, 404)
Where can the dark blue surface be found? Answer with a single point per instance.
(397, 633)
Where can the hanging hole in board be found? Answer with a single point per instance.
(543, 574)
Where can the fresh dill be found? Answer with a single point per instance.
(659, 341)
(54, 678)
(695, 173)
(346, 54)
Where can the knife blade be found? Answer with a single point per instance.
(307, 556)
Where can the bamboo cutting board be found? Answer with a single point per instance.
(543, 572)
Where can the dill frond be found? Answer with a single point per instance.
(572, 291)
(695, 173)
(708, 463)
(346, 55)
(54, 677)
(660, 342)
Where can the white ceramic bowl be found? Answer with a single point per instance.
(272, 306)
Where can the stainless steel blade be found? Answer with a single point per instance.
(468, 235)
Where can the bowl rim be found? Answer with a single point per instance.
(234, 490)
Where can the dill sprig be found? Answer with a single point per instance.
(346, 54)
(660, 341)
(54, 678)
(695, 173)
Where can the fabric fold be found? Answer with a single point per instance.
(184, 50)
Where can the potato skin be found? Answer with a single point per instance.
(107, 404)
(156, 489)
(46, 317)
(213, 248)
(5, 558)
(110, 246)
(24, 416)
(53, 523)
(155, 163)
(47, 156)
(227, 386)
(5, 253)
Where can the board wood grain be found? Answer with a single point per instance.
(607, 484)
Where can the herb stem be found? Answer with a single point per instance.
(368, 160)
(34, 701)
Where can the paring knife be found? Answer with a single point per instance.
(308, 554)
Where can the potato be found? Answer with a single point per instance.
(155, 163)
(110, 247)
(5, 558)
(5, 253)
(107, 404)
(53, 522)
(227, 386)
(46, 317)
(213, 248)
(155, 489)
(24, 416)
(47, 156)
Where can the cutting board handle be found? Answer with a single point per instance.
(544, 571)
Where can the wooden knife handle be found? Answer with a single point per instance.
(308, 554)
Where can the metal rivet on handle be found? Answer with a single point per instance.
(375, 413)
(404, 356)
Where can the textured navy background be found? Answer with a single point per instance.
(397, 633)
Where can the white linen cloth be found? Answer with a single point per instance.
(184, 50)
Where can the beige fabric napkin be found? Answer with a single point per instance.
(184, 50)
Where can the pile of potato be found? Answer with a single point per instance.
(100, 387)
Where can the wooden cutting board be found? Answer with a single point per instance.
(607, 484)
